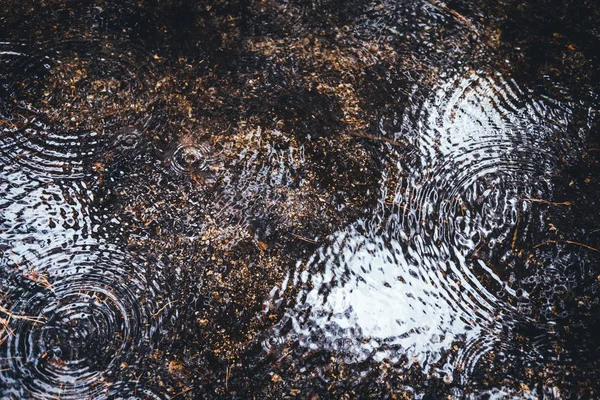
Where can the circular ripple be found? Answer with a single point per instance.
(129, 137)
(408, 289)
(482, 150)
(191, 157)
(96, 310)
(369, 295)
(67, 103)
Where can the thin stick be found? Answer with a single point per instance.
(163, 307)
(187, 389)
(514, 239)
(457, 16)
(227, 374)
(551, 203)
(35, 320)
(303, 238)
(33, 276)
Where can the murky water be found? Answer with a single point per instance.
(314, 200)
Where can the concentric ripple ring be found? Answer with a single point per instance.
(94, 311)
(71, 101)
(408, 285)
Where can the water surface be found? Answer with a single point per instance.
(384, 199)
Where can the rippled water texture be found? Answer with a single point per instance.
(81, 309)
(325, 200)
(422, 275)
(77, 309)
(69, 103)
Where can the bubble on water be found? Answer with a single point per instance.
(191, 158)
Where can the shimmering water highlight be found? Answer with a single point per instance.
(411, 283)
(97, 313)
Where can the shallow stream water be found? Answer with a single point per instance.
(313, 199)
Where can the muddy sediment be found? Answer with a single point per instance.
(320, 199)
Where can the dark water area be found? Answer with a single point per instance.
(299, 199)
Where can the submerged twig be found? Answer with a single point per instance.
(35, 320)
(550, 203)
(227, 375)
(34, 276)
(156, 314)
(38, 278)
(455, 14)
(187, 389)
(514, 239)
(303, 238)
(5, 330)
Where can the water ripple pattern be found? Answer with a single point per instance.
(191, 157)
(66, 103)
(409, 284)
(482, 151)
(78, 312)
(91, 311)
(40, 215)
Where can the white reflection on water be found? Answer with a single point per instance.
(375, 297)
(405, 286)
